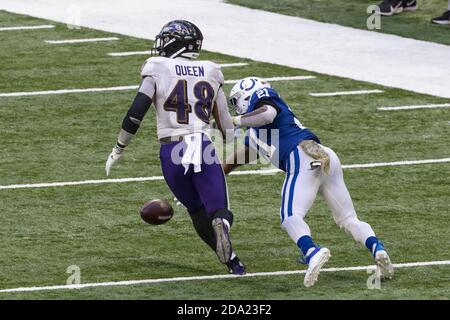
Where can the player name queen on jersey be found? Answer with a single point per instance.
(186, 93)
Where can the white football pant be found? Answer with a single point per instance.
(299, 191)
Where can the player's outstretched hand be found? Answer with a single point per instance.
(113, 157)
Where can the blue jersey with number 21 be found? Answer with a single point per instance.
(280, 137)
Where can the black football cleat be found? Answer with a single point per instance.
(444, 19)
(390, 7)
(223, 242)
(409, 5)
(235, 266)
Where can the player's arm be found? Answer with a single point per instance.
(245, 155)
(263, 115)
(239, 158)
(132, 120)
(221, 113)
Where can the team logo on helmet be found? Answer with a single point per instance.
(178, 38)
(248, 84)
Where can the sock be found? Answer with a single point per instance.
(370, 242)
(233, 255)
(306, 243)
(225, 221)
(224, 214)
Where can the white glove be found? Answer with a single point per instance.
(113, 157)
(236, 120)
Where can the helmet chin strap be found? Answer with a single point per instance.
(190, 55)
(187, 55)
(178, 53)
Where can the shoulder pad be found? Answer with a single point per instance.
(216, 71)
(263, 94)
(151, 65)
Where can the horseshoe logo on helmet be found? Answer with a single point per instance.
(244, 85)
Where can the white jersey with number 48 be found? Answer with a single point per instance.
(185, 93)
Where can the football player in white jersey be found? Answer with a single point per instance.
(186, 92)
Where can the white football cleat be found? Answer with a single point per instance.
(385, 269)
(315, 264)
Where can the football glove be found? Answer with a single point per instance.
(113, 157)
(236, 121)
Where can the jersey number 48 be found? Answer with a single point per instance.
(178, 102)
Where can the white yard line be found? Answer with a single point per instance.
(129, 53)
(124, 88)
(344, 93)
(425, 106)
(237, 173)
(63, 91)
(45, 26)
(290, 78)
(80, 40)
(235, 64)
(396, 163)
(82, 182)
(214, 277)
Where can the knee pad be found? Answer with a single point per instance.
(224, 214)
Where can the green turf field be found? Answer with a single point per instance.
(353, 13)
(58, 138)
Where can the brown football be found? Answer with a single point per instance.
(156, 211)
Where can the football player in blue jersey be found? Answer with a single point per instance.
(277, 135)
